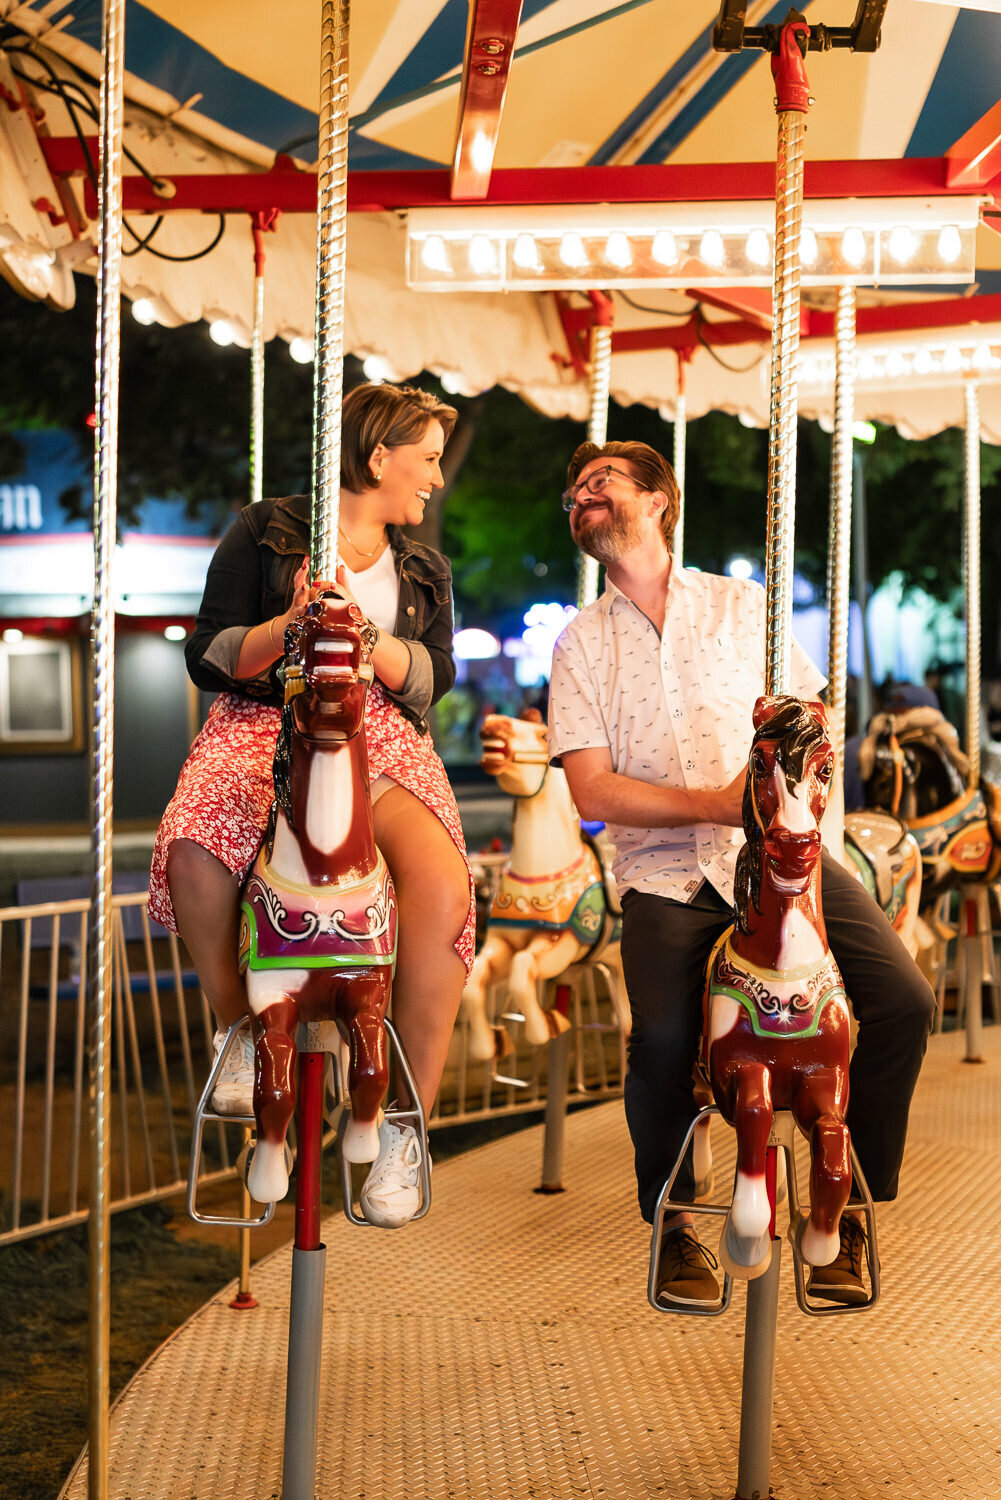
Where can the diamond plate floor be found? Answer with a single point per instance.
(508, 1352)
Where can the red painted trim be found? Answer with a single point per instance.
(753, 303)
(976, 157)
(490, 42)
(294, 191)
(309, 1135)
(792, 87)
(688, 336)
(950, 312)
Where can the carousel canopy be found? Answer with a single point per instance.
(608, 122)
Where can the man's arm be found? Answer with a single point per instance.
(605, 796)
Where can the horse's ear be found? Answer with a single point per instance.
(532, 716)
(763, 710)
(816, 709)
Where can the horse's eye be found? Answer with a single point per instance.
(826, 771)
(759, 763)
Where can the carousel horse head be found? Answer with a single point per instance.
(516, 751)
(789, 773)
(318, 928)
(551, 906)
(776, 1028)
(911, 764)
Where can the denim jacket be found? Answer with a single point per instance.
(250, 580)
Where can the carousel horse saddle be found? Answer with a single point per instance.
(573, 898)
(287, 926)
(787, 1005)
(878, 838)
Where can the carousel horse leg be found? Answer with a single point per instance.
(820, 1115)
(274, 1099)
(361, 1007)
(545, 960)
(492, 963)
(746, 1239)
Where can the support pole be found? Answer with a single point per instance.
(597, 426)
(791, 104)
(757, 1382)
(305, 1323)
(331, 257)
(680, 444)
(974, 916)
(100, 935)
(557, 1092)
(971, 580)
(840, 521)
(257, 367)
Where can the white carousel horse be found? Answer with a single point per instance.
(318, 928)
(552, 907)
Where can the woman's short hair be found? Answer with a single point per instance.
(652, 471)
(389, 414)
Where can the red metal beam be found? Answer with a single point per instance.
(949, 312)
(976, 156)
(753, 303)
(688, 335)
(293, 191)
(490, 39)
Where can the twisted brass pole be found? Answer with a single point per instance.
(102, 738)
(331, 258)
(840, 519)
(597, 432)
(257, 391)
(680, 437)
(971, 580)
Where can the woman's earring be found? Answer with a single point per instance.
(377, 478)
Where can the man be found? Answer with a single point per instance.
(651, 698)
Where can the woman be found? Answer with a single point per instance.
(258, 581)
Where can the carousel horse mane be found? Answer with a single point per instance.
(798, 732)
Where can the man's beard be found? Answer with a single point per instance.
(608, 540)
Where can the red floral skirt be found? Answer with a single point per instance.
(224, 792)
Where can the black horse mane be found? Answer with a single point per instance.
(281, 771)
(797, 734)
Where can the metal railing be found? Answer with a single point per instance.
(162, 1050)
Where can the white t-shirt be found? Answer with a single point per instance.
(673, 711)
(377, 590)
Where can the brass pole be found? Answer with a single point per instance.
(597, 432)
(840, 519)
(971, 580)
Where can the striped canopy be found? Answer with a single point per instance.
(600, 89)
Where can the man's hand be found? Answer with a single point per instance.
(731, 800)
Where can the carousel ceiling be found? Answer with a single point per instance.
(463, 106)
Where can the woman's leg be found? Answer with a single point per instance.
(432, 892)
(205, 895)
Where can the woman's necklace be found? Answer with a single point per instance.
(377, 548)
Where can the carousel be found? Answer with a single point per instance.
(775, 213)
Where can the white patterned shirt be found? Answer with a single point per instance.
(673, 711)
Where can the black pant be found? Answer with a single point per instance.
(665, 946)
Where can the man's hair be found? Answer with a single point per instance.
(652, 471)
(388, 414)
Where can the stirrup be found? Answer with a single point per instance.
(665, 1205)
(413, 1116)
(821, 1307)
(204, 1112)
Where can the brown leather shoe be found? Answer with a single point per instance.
(686, 1268)
(841, 1281)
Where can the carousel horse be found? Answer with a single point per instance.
(318, 910)
(776, 1025)
(554, 906)
(911, 764)
(884, 855)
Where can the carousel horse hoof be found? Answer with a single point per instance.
(746, 1256)
(267, 1172)
(360, 1141)
(704, 1185)
(816, 1247)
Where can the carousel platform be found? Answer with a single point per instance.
(503, 1348)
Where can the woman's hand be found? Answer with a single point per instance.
(341, 587)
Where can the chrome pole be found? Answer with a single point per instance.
(100, 933)
(597, 432)
(331, 258)
(791, 105)
(971, 580)
(840, 520)
(680, 437)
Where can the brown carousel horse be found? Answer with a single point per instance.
(553, 907)
(318, 928)
(776, 1024)
(911, 764)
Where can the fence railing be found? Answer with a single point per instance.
(162, 1051)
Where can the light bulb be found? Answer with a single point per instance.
(143, 311)
(808, 249)
(618, 251)
(711, 248)
(221, 332)
(758, 249)
(664, 249)
(525, 253)
(572, 252)
(950, 244)
(853, 246)
(301, 350)
(482, 255)
(434, 254)
(902, 244)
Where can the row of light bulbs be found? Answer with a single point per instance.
(664, 248)
(903, 364)
(221, 331)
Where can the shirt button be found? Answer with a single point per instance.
(411, 610)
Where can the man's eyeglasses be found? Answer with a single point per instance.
(594, 484)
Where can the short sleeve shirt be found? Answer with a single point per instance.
(673, 710)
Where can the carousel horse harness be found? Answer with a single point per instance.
(318, 910)
(776, 1025)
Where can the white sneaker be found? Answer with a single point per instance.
(234, 1090)
(392, 1194)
